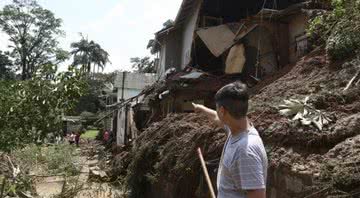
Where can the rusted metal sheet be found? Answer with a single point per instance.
(218, 39)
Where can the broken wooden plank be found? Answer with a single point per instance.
(236, 59)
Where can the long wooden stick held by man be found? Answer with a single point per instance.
(206, 173)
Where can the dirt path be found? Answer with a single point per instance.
(92, 182)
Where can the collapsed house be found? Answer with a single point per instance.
(213, 43)
(126, 93)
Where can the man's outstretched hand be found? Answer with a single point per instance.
(211, 114)
(197, 107)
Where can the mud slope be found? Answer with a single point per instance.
(304, 162)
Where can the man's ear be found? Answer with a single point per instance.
(222, 111)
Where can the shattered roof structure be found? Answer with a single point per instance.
(231, 10)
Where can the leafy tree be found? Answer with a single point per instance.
(92, 100)
(6, 64)
(154, 45)
(32, 110)
(168, 23)
(88, 53)
(143, 65)
(33, 33)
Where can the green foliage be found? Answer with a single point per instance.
(153, 44)
(33, 33)
(94, 100)
(338, 29)
(90, 134)
(56, 159)
(143, 65)
(32, 110)
(88, 53)
(168, 23)
(6, 70)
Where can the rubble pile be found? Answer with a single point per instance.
(165, 155)
(304, 161)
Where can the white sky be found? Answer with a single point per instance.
(121, 27)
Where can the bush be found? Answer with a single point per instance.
(52, 160)
(338, 29)
(31, 110)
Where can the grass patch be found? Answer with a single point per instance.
(55, 159)
(90, 134)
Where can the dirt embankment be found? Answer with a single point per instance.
(304, 162)
(164, 160)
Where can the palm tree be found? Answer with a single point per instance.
(88, 53)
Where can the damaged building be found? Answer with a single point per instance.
(213, 42)
(126, 93)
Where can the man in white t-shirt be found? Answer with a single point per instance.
(243, 166)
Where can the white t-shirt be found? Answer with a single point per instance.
(243, 165)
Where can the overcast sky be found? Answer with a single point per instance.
(121, 27)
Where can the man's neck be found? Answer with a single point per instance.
(238, 126)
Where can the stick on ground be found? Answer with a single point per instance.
(206, 173)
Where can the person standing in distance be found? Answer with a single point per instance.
(243, 165)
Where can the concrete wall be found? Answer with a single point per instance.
(297, 27)
(161, 70)
(120, 132)
(128, 93)
(134, 83)
(173, 50)
(188, 34)
(134, 80)
(126, 129)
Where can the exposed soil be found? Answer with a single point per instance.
(165, 153)
(304, 161)
(304, 151)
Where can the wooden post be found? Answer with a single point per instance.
(207, 177)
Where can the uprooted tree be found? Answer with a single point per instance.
(32, 32)
(31, 111)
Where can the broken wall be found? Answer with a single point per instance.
(188, 34)
(120, 131)
(173, 50)
(161, 70)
